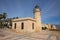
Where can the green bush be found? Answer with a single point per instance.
(44, 28)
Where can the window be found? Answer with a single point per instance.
(32, 25)
(15, 26)
(51, 26)
(22, 25)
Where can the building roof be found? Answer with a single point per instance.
(36, 9)
(23, 19)
(36, 6)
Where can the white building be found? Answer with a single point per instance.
(28, 24)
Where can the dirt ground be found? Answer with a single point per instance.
(8, 34)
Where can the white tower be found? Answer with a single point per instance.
(37, 16)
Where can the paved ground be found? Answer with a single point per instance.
(44, 35)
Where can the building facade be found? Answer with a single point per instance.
(49, 26)
(28, 24)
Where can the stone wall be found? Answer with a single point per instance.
(27, 26)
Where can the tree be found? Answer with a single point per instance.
(1, 16)
(13, 17)
(17, 17)
(44, 28)
(4, 15)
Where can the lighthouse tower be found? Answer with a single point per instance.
(37, 16)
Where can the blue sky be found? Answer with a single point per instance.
(50, 9)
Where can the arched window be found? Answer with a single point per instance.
(15, 26)
(32, 25)
(22, 25)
